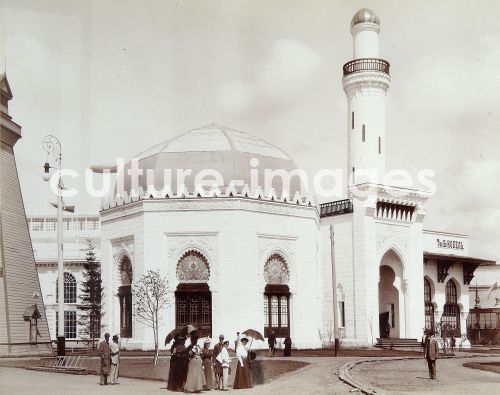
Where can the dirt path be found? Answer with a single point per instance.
(412, 377)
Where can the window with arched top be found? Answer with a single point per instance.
(429, 307)
(126, 273)
(69, 288)
(193, 267)
(125, 296)
(276, 297)
(450, 320)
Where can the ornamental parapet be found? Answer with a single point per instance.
(229, 191)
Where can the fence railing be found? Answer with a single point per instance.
(366, 64)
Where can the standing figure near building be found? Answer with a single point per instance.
(288, 347)
(243, 378)
(431, 354)
(178, 365)
(225, 361)
(272, 343)
(115, 359)
(217, 365)
(237, 341)
(104, 351)
(195, 378)
(206, 356)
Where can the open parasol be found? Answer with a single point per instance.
(254, 335)
(180, 330)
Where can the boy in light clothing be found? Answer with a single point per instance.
(225, 361)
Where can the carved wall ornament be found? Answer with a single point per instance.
(193, 267)
(442, 269)
(276, 270)
(469, 270)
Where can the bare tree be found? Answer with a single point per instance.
(150, 299)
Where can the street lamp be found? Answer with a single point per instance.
(52, 146)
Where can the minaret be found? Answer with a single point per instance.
(366, 80)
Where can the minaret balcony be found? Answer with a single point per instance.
(366, 64)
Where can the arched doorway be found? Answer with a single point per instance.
(276, 297)
(125, 296)
(391, 297)
(193, 299)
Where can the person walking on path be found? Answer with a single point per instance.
(431, 354)
(217, 365)
(206, 356)
(104, 352)
(271, 340)
(225, 361)
(243, 378)
(115, 359)
(195, 378)
(288, 347)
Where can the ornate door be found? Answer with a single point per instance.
(194, 306)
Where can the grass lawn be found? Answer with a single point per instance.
(488, 366)
(143, 368)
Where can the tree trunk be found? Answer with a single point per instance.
(155, 332)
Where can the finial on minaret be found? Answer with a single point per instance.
(365, 26)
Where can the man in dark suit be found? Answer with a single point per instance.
(431, 354)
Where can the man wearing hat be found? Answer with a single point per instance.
(431, 354)
(115, 359)
(217, 365)
(104, 351)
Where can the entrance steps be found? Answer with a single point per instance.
(397, 343)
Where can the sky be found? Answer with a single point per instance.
(112, 78)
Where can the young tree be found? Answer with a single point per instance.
(150, 298)
(91, 296)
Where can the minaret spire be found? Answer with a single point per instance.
(366, 80)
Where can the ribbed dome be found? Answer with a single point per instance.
(365, 15)
(227, 151)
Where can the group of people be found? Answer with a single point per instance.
(110, 357)
(271, 341)
(192, 368)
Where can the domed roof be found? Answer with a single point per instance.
(230, 153)
(365, 15)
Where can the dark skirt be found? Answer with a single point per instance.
(195, 378)
(243, 378)
(287, 352)
(177, 374)
(207, 370)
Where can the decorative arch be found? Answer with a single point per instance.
(394, 249)
(193, 267)
(276, 270)
(125, 269)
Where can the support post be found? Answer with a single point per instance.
(334, 286)
(61, 342)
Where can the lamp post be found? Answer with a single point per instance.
(52, 146)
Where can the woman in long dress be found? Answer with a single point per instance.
(195, 377)
(206, 356)
(178, 365)
(288, 347)
(243, 378)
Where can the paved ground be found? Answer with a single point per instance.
(412, 377)
(320, 377)
(317, 378)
